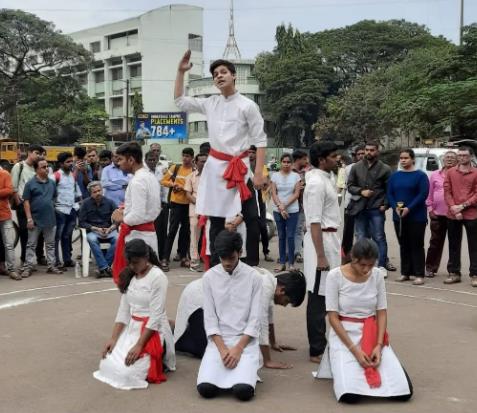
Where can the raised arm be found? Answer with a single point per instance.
(184, 65)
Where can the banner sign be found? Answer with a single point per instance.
(161, 125)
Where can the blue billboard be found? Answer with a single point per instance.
(161, 125)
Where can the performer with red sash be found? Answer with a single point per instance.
(234, 124)
(358, 357)
(133, 357)
(142, 205)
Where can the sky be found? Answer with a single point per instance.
(256, 20)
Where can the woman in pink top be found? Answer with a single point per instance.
(437, 208)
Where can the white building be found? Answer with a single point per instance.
(145, 51)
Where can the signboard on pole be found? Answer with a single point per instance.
(161, 125)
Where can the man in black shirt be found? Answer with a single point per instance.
(95, 216)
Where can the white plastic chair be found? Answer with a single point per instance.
(86, 252)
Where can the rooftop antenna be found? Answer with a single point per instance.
(232, 51)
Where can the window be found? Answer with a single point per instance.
(98, 77)
(135, 71)
(117, 74)
(116, 125)
(123, 39)
(195, 42)
(117, 103)
(95, 47)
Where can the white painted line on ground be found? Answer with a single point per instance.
(52, 286)
(59, 297)
(438, 300)
(420, 287)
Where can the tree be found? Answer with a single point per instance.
(295, 80)
(137, 107)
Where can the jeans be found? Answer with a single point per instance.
(411, 246)
(65, 225)
(286, 235)
(436, 244)
(179, 217)
(23, 232)
(455, 243)
(94, 241)
(33, 235)
(300, 231)
(369, 223)
(8, 236)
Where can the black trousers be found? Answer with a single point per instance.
(23, 230)
(251, 219)
(348, 234)
(263, 224)
(161, 224)
(179, 217)
(411, 247)
(438, 228)
(455, 244)
(194, 339)
(315, 319)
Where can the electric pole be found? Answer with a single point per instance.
(127, 109)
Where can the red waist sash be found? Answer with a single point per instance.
(369, 340)
(119, 262)
(154, 348)
(235, 172)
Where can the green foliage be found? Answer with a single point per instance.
(37, 82)
(137, 106)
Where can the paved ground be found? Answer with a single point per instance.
(53, 329)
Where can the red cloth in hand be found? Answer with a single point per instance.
(235, 172)
(119, 262)
(369, 341)
(154, 348)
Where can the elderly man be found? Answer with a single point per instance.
(95, 216)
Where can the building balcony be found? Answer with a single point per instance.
(135, 84)
(99, 89)
(117, 87)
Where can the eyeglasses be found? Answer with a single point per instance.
(43, 167)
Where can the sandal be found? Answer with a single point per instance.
(281, 268)
(185, 263)
(164, 265)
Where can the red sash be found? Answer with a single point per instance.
(154, 348)
(369, 340)
(119, 262)
(235, 172)
(203, 248)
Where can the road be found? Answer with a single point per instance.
(53, 329)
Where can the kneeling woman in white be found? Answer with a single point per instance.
(142, 337)
(232, 294)
(358, 356)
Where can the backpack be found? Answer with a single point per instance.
(173, 178)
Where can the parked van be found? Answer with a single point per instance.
(430, 159)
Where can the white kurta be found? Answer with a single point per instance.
(358, 300)
(231, 309)
(234, 124)
(142, 204)
(320, 204)
(145, 297)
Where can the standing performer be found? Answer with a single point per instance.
(232, 297)
(321, 244)
(235, 124)
(141, 207)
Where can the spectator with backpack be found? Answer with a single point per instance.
(66, 208)
(175, 179)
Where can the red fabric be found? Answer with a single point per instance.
(203, 248)
(154, 348)
(460, 188)
(369, 340)
(119, 262)
(235, 172)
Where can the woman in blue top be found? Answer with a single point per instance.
(286, 186)
(407, 192)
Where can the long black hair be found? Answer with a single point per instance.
(135, 248)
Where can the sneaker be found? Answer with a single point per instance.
(418, 281)
(104, 273)
(430, 274)
(390, 267)
(15, 276)
(54, 270)
(452, 278)
(383, 271)
(403, 278)
(164, 265)
(473, 281)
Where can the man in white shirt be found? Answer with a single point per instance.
(321, 244)
(142, 204)
(232, 294)
(234, 124)
(283, 289)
